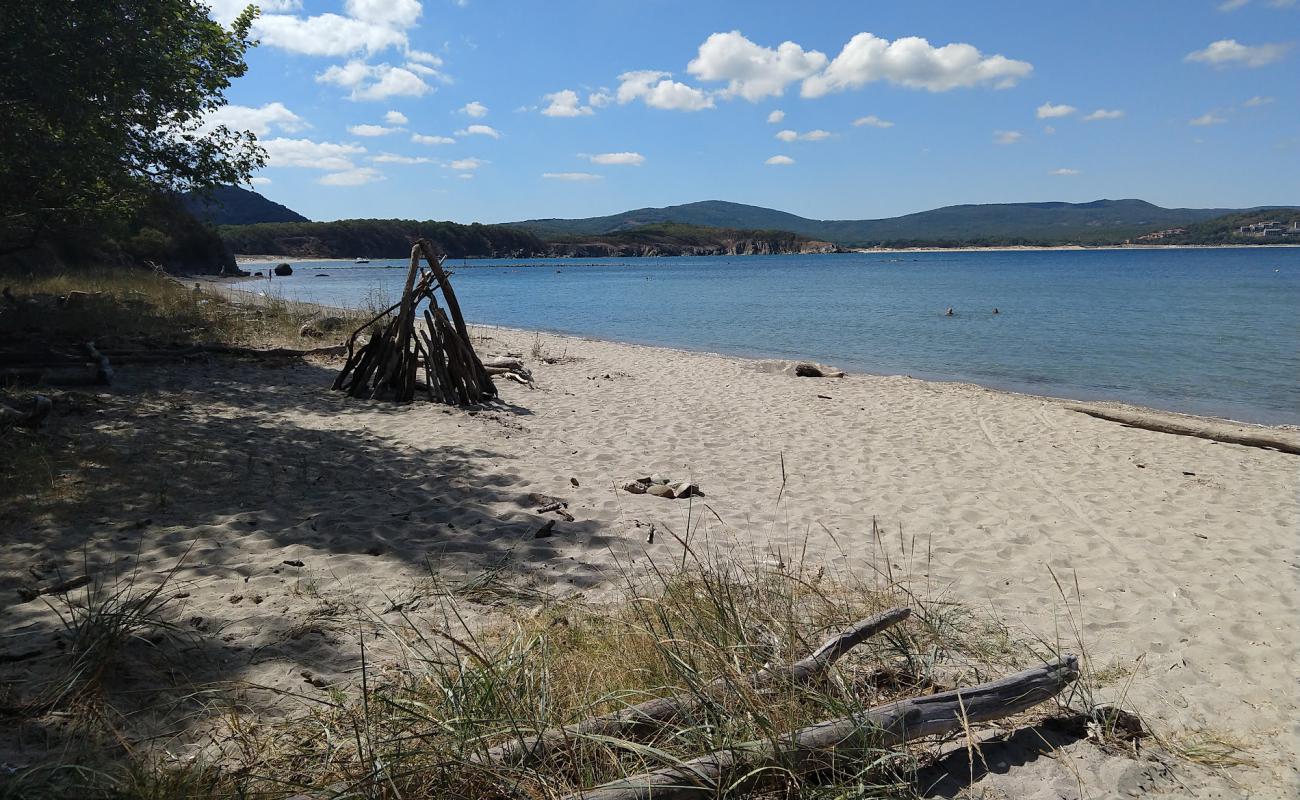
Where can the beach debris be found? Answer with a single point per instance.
(399, 352)
(509, 368)
(283, 270)
(292, 562)
(10, 416)
(546, 530)
(660, 486)
(28, 594)
(574, 482)
(807, 369)
(1268, 439)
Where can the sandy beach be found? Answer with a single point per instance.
(281, 500)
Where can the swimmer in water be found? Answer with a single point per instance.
(949, 312)
(995, 311)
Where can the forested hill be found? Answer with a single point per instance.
(379, 238)
(1099, 222)
(231, 205)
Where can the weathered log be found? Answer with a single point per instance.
(646, 718)
(453, 305)
(1149, 422)
(103, 370)
(10, 416)
(820, 747)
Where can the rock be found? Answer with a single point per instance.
(573, 481)
(807, 371)
(546, 530)
(686, 489)
(283, 270)
(660, 490)
(310, 331)
(293, 562)
(657, 478)
(634, 487)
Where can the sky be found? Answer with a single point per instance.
(493, 111)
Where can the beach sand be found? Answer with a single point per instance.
(1183, 550)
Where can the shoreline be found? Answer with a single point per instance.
(231, 284)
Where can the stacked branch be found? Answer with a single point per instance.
(402, 357)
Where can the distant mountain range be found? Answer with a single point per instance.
(1101, 221)
(231, 205)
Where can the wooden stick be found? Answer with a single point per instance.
(646, 718)
(819, 747)
(1150, 423)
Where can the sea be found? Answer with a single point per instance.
(1212, 331)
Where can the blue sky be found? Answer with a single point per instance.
(483, 110)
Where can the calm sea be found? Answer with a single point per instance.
(1206, 331)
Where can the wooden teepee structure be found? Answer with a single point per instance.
(402, 358)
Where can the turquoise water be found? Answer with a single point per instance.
(1207, 331)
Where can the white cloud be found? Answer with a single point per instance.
(467, 164)
(357, 176)
(600, 99)
(260, 181)
(776, 116)
(281, 152)
(913, 62)
(422, 69)
(395, 118)
(625, 159)
(1257, 101)
(787, 135)
(571, 176)
(751, 70)
(423, 57)
(392, 13)
(872, 121)
(1230, 52)
(393, 158)
(1208, 118)
(475, 109)
(779, 161)
(466, 176)
(1049, 111)
(1007, 137)
(657, 90)
(420, 138)
(374, 81)
(811, 136)
(564, 103)
(325, 35)
(479, 130)
(1104, 113)
(259, 120)
(1064, 172)
(370, 130)
(225, 11)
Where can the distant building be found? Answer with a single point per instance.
(1158, 235)
(1268, 228)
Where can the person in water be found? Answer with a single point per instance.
(995, 311)
(949, 312)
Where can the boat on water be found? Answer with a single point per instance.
(362, 261)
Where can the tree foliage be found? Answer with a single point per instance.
(104, 105)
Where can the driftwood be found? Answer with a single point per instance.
(103, 370)
(400, 358)
(644, 719)
(820, 747)
(1152, 423)
(10, 416)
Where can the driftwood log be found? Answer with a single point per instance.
(819, 748)
(400, 358)
(1149, 422)
(644, 719)
(10, 416)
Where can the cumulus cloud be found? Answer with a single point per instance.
(811, 136)
(1208, 118)
(479, 130)
(564, 103)
(1231, 53)
(370, 130)
(571, 176)
(1007, 137)
(393, 13)
(374, 81)
(913, 62)
(872, 121)
(776, 116)
(393, 158)
(395, 118)
(1064, 172)
(1257, 101)
(225, 11)
(657, 90)
(600, 98)
(420, 138)
(625, 159)
(260, 181)
(751, 70)
(282, 152)
(1104, 113)
(467, 164)
(779, 161)
(357, 176)
(260, 120)
(475, 109)
(325, 34)
(1049, 111)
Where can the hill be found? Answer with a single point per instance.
(676, 239)
(231, 205)
(1263, 226)
(379, 238)
(1098, 222)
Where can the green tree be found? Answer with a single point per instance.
(102, 106)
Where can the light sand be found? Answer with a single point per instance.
(1185, 550)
